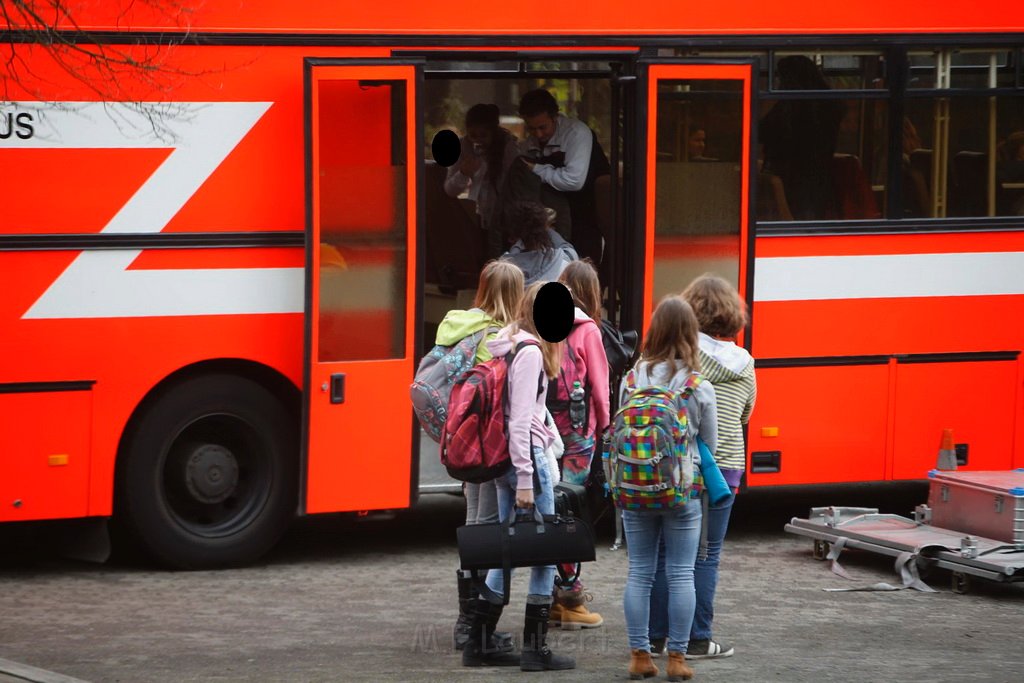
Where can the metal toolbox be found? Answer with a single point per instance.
(989, 504)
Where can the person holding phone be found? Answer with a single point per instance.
(488, 150)
(559, 164)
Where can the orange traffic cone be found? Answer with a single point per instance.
(947, 452)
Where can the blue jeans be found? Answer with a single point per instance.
(541, 578)
(680, 529)
(705, 577)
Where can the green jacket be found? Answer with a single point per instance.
(459, 324)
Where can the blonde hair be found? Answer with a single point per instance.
(552, 352)
(581, 279)
(719, 309)
(500, 291)
(672, 336)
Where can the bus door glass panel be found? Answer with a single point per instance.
(697, 164)
(362, 287)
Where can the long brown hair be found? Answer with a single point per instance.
(552, 351)
(581, 279)
(500, 290)
(672, 336)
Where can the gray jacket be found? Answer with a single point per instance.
(542, 266)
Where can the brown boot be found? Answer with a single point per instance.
(678, 669)
(641, 666)
(555, 616)
(572, 613)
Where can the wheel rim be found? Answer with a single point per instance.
(217, 476)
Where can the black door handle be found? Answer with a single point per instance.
(338, 388)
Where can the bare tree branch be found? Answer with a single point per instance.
(141, 75)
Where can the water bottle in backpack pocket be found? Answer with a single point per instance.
(568, 396)
(647, 454)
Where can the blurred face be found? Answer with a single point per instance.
(541, 127)
(698, 141)
(481, 137)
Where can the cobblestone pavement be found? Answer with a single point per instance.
(344, 600)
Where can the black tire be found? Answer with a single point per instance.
(209, 473)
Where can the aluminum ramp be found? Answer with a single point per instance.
(928, 546)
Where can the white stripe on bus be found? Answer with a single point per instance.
(808, 278)
(202, 134)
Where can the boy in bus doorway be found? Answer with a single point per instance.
(560, 164)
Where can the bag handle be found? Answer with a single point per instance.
(509, 530)
(524, 515)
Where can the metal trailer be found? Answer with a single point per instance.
(915, 543)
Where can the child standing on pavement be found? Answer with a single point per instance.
(721, 314)
(669, 359)
(578, 401)
(498, 296)
(527, 484)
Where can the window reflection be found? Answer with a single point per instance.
(821, 156)
(697, 182)
(964, 157)
(362, 176)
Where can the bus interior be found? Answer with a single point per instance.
(700, 201)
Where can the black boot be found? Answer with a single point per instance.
(501, 640)
(537, 656)
(467, 596)
(480, 649)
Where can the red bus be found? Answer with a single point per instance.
(218, 279)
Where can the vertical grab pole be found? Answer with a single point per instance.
(991, 137)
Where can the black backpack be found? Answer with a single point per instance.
(619, 346)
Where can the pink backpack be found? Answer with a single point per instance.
(474, 440)
(568, 396)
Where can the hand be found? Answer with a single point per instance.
(529, 164)
(469, 164)
(524, 499)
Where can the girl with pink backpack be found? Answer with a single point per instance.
(578, 399)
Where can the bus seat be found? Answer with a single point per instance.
(854, 197)
(921, 162)
(968, 189)
(454, 241)
(771, 198)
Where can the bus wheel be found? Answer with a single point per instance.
(209, 473)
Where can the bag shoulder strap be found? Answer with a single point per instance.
(484, 333)
(631, 380)
(510, 358)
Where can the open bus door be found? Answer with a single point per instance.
(696, 195)
(363, 168)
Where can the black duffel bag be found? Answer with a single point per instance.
(525, 539)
